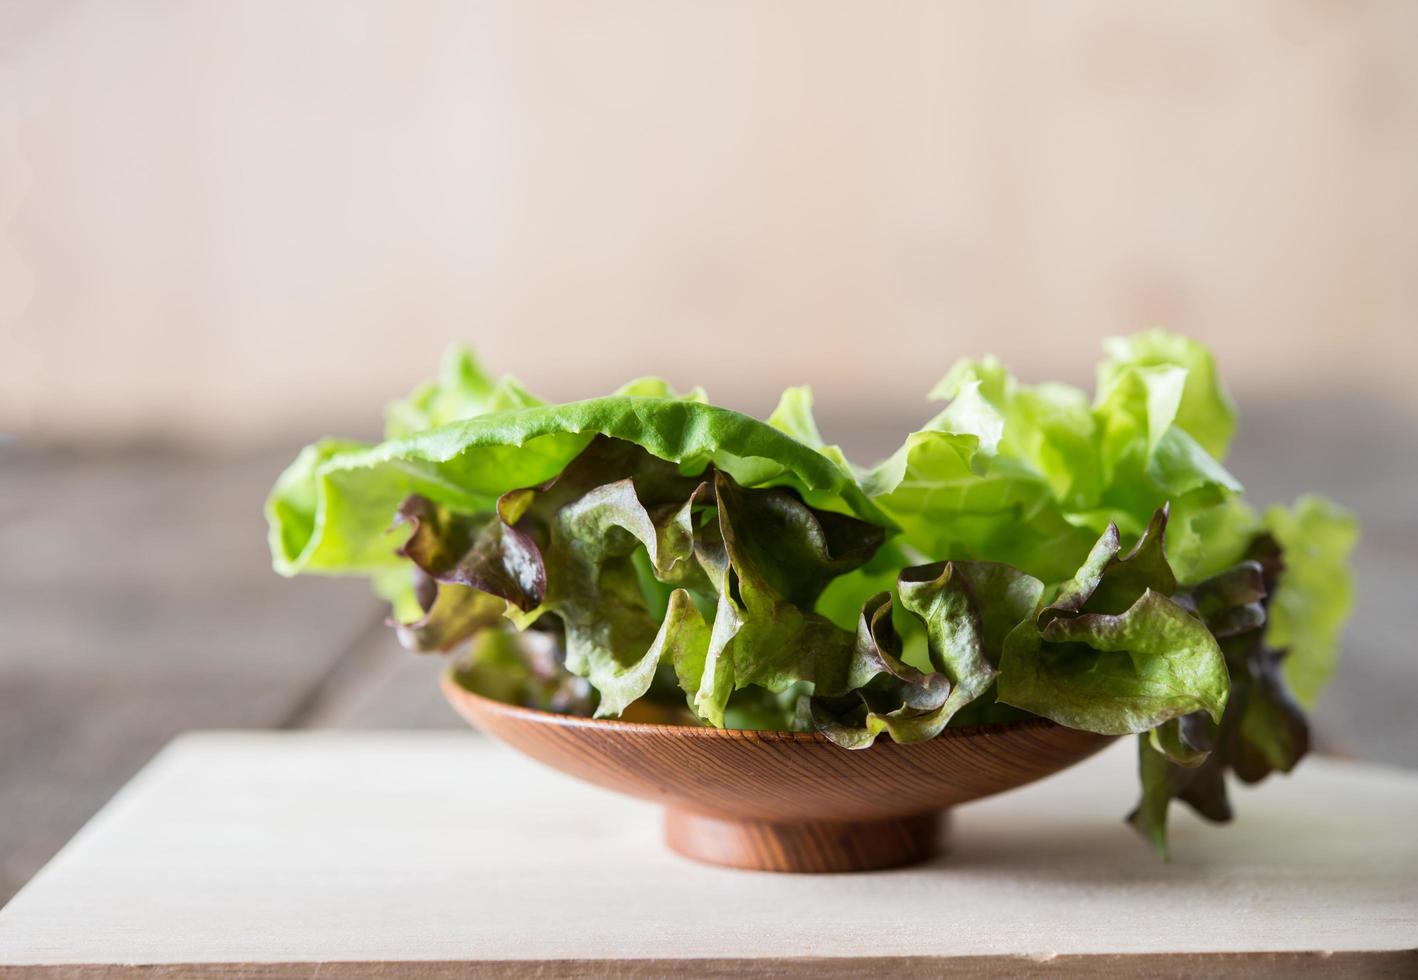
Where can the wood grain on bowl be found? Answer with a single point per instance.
(786, 801)
(809, 845)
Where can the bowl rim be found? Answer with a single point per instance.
(452, 689)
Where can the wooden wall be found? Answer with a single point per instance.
(238, 221)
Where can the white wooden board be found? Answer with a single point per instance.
(416, 854)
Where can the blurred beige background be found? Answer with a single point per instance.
(229, 227)
(246, 220)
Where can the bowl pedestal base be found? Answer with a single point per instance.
(806, 846)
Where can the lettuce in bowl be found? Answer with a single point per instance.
(1030, 551)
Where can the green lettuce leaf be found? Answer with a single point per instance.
(966, 610)
(793, 416)
(769, 560)
(1111, 583)
(568, 547)
(611, 637)
(954, 500)
(331, 511)
(579, 547)
(1113, 653)
(1315, 590)
(1263, 729)
(1204, 410)
(1201, 785)
(1031, 475)
(1115, 674)
(463, 391)
(878, 691)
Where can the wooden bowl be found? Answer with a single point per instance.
(787, 801)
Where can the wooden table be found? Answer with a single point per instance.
(420, 855)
